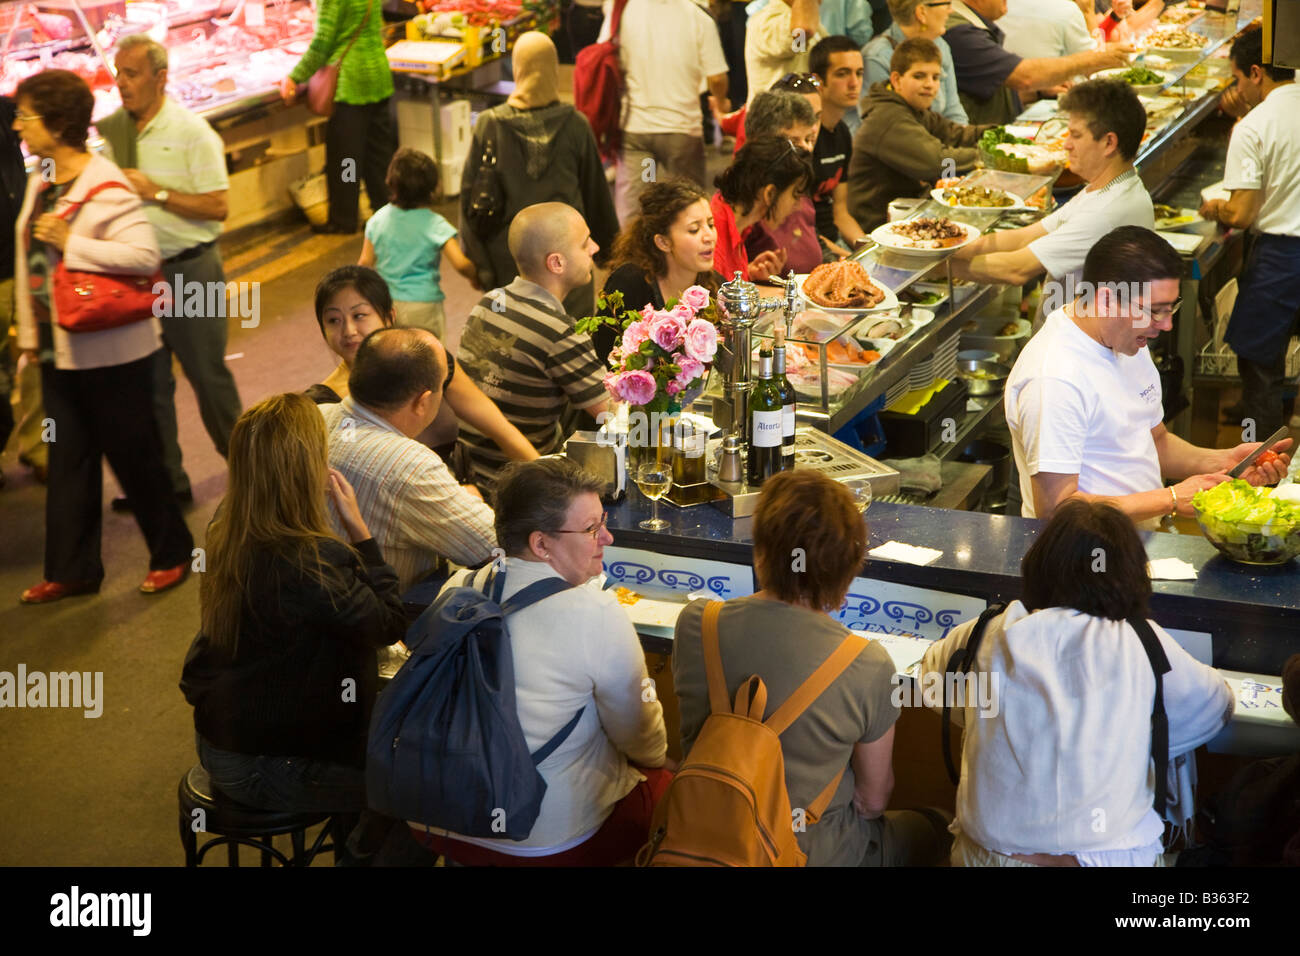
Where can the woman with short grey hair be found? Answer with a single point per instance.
(791, 116)
(577, 661)
(782, 113)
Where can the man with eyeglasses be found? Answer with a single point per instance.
(1083, 402)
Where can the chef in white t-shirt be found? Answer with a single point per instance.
(1083, 402)
(1106, 123)
(1262, 173)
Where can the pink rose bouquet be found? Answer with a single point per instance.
(701, 340)
(696, 298)
(663, 354)
(636, 387)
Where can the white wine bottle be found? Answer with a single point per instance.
(787, 398)
(765, 423)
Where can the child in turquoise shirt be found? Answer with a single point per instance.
(406, 241)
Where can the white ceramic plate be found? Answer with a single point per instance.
(937, 195)
(885, 236)
(889, 302)
(1180, 54)
(1142, 89)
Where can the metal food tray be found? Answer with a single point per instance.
(815, 450)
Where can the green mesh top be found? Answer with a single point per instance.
(363, 74)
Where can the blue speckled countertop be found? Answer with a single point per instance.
(1253, 613)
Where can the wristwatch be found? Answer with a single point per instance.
(161, 197)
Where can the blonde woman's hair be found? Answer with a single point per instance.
(275, 503)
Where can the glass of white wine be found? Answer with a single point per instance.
(654, 478)
(860, 489)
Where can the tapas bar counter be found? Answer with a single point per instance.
(1249, 616)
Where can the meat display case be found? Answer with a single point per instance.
(218, 62)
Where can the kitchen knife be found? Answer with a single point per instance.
(1249, 460)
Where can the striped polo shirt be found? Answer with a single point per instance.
(520, 348)
(407, 496)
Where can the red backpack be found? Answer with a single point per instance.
(598, 87)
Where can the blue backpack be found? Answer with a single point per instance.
(446, 748)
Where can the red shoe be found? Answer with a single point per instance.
(163, 580)
(48, 591)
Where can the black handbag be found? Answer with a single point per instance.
(487, 196)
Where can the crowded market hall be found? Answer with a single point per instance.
(655, 341)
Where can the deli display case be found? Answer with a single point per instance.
(226, 61)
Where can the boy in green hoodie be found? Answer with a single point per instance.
(903, 146)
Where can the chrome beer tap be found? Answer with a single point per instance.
(739, 306)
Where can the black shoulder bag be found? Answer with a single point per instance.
(487, 197)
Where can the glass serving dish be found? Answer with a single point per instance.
(1249, 543)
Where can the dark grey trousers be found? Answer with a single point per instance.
(199, 343)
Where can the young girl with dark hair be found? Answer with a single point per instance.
(352, 302)
(406, 242)
(763, 183)
(665, 249)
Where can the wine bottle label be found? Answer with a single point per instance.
(787, 423)
(767, 429)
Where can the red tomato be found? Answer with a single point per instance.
(1268, 458)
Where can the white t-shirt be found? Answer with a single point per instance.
(1044, 28)
(668, 49)
(1075, 228)
(1069, 746)
(1264, 154)
(769, 47)
(1074, 407)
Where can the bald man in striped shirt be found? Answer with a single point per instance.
(520, 347)
(407, 495)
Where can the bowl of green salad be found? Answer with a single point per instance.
(1144, 81)
(1251, 525)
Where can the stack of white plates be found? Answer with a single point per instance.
(942, 364)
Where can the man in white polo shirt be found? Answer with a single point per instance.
(177, 163)
(669, 50)
(1083, 401)
(1263, 175)
(1106, 123)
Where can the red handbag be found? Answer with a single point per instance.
(324, 83)
(95, 301)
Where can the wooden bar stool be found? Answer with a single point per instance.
(234, 824)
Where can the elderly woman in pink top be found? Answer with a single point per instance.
(96, 386)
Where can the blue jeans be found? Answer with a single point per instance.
(284, 783)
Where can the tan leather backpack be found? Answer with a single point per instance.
(728, 804)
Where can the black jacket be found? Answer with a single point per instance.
(284, 693)
(547, 154)
(637, 294)
(13, 185)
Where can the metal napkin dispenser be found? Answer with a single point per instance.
(605, 456)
